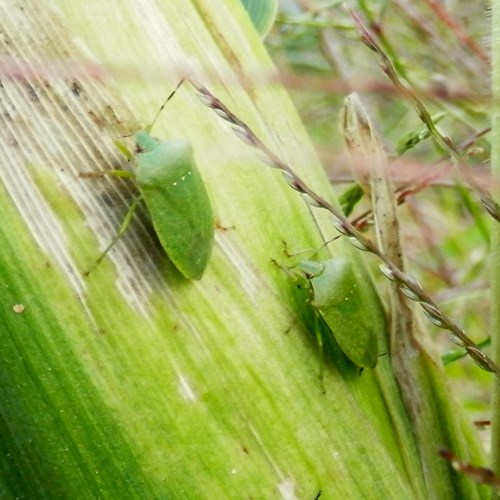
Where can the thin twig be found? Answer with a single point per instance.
(421, 181)
(443, 141)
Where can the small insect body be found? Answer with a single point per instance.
(176, 198)
(335, 295)
(175, 195)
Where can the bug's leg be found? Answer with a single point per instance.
(321, 352)
(119, 234)
(124, 150)
(312, 251)
(125, 174)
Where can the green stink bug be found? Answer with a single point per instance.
(334, 294)
(171, 186)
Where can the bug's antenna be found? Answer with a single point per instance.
(150, 126)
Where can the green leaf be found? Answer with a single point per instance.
(135, 382)
(350, 198)
(262, 13)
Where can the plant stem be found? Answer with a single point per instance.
(495, 235)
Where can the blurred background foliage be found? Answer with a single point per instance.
(440, 50)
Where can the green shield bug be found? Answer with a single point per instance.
(335, 295)
(173, 191)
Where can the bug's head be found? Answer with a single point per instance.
(144, 141)
(311, 268)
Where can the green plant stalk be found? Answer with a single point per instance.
(495, 233)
